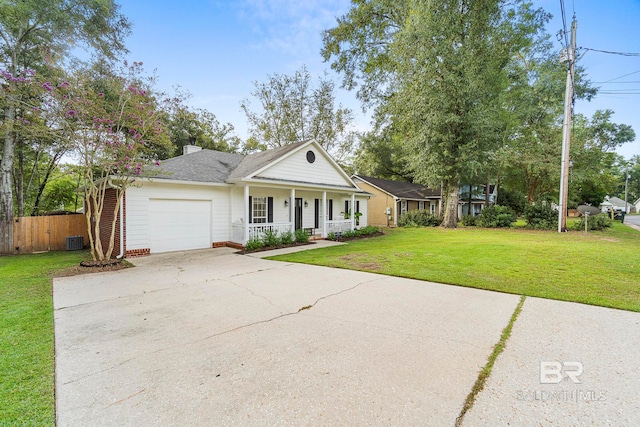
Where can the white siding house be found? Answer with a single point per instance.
(206, 198)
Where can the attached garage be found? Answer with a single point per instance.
(176, 225)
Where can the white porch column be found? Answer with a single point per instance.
(292, 210)
(353, 211)
(396, 211)
(324, 214)
(246, 214)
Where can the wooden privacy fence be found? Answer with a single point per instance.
(47, 233)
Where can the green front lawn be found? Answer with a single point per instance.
(602, 268)
(26, 336)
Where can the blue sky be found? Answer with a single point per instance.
(216, 49)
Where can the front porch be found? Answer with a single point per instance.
(262, 208)
(256, 231)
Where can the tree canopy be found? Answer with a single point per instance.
(292, 109)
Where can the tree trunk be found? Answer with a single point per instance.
(6, 186)
(450, 219)
(18, 177)
(487, 196)
(52, 164)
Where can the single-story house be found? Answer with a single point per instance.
(390, 199)
(207, 198)
(615, 203)
(636, 205)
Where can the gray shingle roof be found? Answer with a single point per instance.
(256, 161)
(402, 190)
(218, 166)
(201, 166)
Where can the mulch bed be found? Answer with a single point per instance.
(87, 267)
(348, 239)
(270, 248)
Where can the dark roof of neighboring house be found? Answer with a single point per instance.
(401, 190)
(201, 166)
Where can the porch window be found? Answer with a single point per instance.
(330, 209)
(357, 211)
(421, 206)
(403, 207)
(433, 208)
(259, 208)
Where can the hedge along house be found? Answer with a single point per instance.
(390, 199)
(207, 198)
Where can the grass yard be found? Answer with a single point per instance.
(26, 336)
(602, 268)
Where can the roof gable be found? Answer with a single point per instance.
(292, 164)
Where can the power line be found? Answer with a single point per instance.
(604, 92)
(564, 24)
(627, 82)
(613, 52)
(625, 75)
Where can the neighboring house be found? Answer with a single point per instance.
(478, 199)
(616, 204)
(208, 198)
(636, 205)
(390, 199)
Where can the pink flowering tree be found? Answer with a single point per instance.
(112, 123)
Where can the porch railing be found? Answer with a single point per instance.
(257, 230)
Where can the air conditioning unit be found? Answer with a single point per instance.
(75, 243)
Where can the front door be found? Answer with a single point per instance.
(298, 213)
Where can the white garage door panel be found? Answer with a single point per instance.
(176, 225)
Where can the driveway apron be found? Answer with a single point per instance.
(211, 337)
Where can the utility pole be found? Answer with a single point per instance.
(626, 191)
(570, 56)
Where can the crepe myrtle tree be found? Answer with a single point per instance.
(111, 122)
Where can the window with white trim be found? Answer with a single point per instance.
(433, 208)
(259, 209)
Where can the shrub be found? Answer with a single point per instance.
(301, 236)
(254, 244)
(541, 216)
(286, 238)
(468, 220)
(515, 199)
(349, 233)
(368, 230)
(419, 218)
(270, 238)
(332, 236)
(496, 217)
(594, 223)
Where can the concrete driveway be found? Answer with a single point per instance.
(214, 338)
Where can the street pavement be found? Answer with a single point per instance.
(632, 221)
(211, 337)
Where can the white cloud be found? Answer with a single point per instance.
(291, 27)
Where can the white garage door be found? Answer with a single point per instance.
(176, 225)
